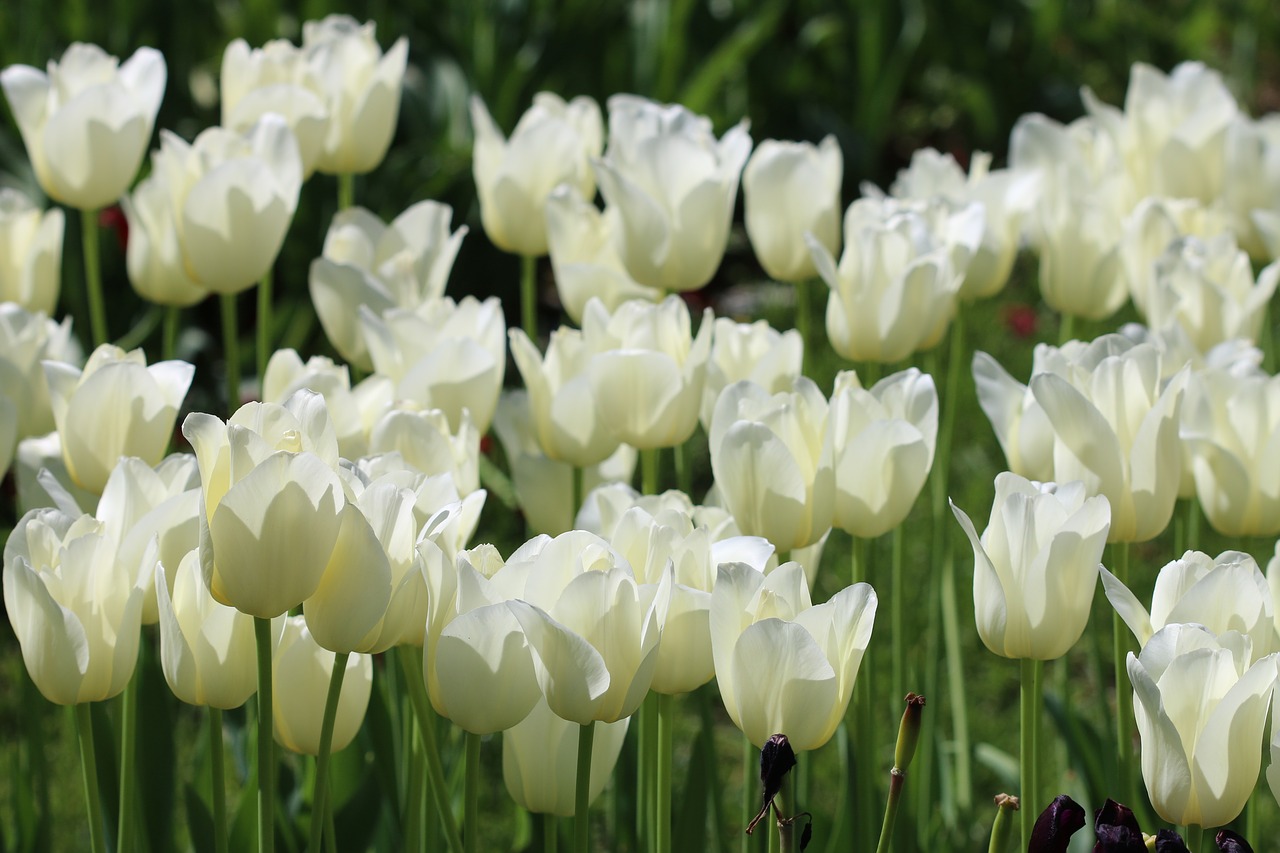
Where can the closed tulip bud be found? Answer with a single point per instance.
(1080, 269)
(1055, 826)
(1230, 842)
(300, 674)
(1036, 566)
(1117, 830)
(882, 442)
(772, 459)
(30, 253)
(442, 355)
(540, 760)
(647, 370)
(790, 189)
(1200, 706)
(782, 664)
(366, 262)
(675, 226)
(87, 122)
(552, 144)
(272, 502)
(755, 351)
(116, 406)
(76, 612)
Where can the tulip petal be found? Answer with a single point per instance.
(572, 674)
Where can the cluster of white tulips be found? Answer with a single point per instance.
(329, 521)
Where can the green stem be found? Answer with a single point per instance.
(410, 658)
(320, 795)
(1124, 698)
(471, 795)
(783, 809)
(266, 751)
(577, 495)
(549, 841)
(169, 332)
(264, 325)
(231, 350)
(529, 296)
(89, 769)
(330, 831)
(1193, 836)
(1066, 329)
(128, 765)
(1027, 751)
(217, 767)
(662, 792)
(845, 803)
(413, 833)
(803, 298)
(1000, 829)
(582, 795)
(858, 568)
(896, 780)
(649, 472)
(898, 616)
(346, 190)
(1193, 524)
(750, 769)
(93, 276)
(684, 470)
(707, 742)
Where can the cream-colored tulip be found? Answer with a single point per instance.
(675, 222)
(30, 253)
(771, 456)
(882, 444)
(647, 370)
(540, 760)
(1021, 426)
(76, 612)
(754, 351)
(383, 266)
(300, 674)
(790, 189)
(1036, 566)
(40, 473)
(442, 355)
(87, 122)
(1251, 184)
(1155, 224)
(783, 665)
(286, 374)
(426, 444)
(27, 340)
(1080, 269)
(272, 502)
(552, 144)
(213, 213)
(116, 406)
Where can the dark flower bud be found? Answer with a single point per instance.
(776, 760)
(1168, 841)
(1056, 825)
(1118, 839)
(908, 732)
(1230, 842)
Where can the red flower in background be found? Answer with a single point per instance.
(113, 219)
(1021, 320)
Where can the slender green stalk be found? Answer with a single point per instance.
(862, 722)
(803, 298)
(330, 831)
(1066, 329)
(1251, 816)
(684, 470)
(1000, 829)
(858, 569)
(708, 757)
(1124, 698)
(1026, 752)
(264, 324)
(1193, 836)
(231, 350)
(471, 795)
(896, 780)
(1035, 801)
(576, 494)
(410, 658)
(783, 809)
(128, 765)
(644, 771)
(320, 795)
(93, 276)
(529, 296)
(845, 801)
(169, 332)
(582, 795)
(662, 791)
(89, 769)
(217, 780)
(413, 834)
(898, 616)
(1193, 524)
(750, 765)
(649, 472)
(266, 752)
(346, 190)
(549, 842)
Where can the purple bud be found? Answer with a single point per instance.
(1056, 825)
(1117, 830)
(1230, 842)
(1168, 841)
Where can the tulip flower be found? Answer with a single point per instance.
(790, 189)
(425, 444)
(360, 86)
(116, 406)
(1080, 268)
(213, 213)
(772, 459)
(87, 122)
(783, 665)
(1036, 566)
(286, 374)
(1116, 428)
(1155, 224)
(540, 755)
(882, 442)
(582, 242)
(30, 253)
(646, 370)
(366, 262)
(552, 144)
(1201, 706)
(76, 611)
(206, 648)
(301, 671)
(1223, 593)
(1251, 179)
(675, 225)
(1056, 824)
(755, 351)
(272, 502)
(27, 339)
(442, 355)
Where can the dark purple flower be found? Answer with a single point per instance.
(1117, 830)
(1230, 842)
(1168, 841)
(1056, 825)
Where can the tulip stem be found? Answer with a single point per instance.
(1000, 828)
(684, 471)
(217, 780)
(1029, 708)
(803, 296)
(89, 768)
(666, 719)
(529, 296)
(708, 756)
(750, 765)
(169, 331)
(266, 752)
(898, 614)
(410, 658)
(320, 794)
(471, 795)
(93, 276)
(649, 472)
(264, 326)
(231, 350)
(549, 842)
(128, 761)
(346, 190)
(1193, 837)
(582, 795)
(1124, 698)
(1066, 329)
(577, 495)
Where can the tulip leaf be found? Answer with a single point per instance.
(1082, 738)
(731, 55)
(156, 759)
